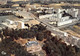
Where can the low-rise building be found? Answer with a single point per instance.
(33, 46)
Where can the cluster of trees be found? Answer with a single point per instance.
(52, 46)
(5, 13)
(55, 47)
(8, 44)
(6, 6)
(11, 47)
(38, 31)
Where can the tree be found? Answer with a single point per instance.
(40, 36)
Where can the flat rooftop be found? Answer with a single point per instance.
(11, 17)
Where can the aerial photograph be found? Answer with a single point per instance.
(39, 27)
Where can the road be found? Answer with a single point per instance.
(68, 40)
(53, 29)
